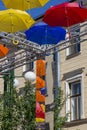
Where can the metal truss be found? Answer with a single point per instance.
(23, 51)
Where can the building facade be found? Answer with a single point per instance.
(73, 79)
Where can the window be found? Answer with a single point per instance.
(75, 100)
(47, 127)
(74, 41)
(28, 67)
(74, 103)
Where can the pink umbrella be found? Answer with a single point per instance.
(39, 111)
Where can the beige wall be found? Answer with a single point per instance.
(1, 84)
(49, 98)
(49, 79)
(69, 65)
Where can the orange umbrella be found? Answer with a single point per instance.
(3, 50)
(40, 67)
(39, 96)
(40, 83)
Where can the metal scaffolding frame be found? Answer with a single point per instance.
(23, 51)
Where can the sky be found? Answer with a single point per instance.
(35, 13)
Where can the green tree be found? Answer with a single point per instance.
(18, 111)
(59, 103)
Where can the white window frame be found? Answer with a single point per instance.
(73, 33)
(68, 81)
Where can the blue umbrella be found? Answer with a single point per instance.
(43, 91)
(41, 33)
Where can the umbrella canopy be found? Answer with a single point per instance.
(40, 67)
(42, 33)
(39, 96)
(39, 111)
(43, 91)
(12, 20)
(24, 4)
(40, 83)
(65, 14)
(3, 51)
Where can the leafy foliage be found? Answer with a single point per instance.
(59, 102)
(18, 111)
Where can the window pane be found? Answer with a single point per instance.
(79, 107)
(76, 108)
(72, 49)
(75, 38)
(75, 88)
(73, 108)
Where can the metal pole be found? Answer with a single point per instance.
(5, 89)
(11, 86)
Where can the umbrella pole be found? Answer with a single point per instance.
(69, 33)
(67, 24)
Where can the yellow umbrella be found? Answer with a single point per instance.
(12, 20)
(24, 4)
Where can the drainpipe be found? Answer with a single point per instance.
(57, 58)
(57, 84)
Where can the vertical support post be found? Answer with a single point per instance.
(11, 76)
(5, 88)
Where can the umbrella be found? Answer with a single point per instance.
(43, 91)
(65, 14)
(12, 20)
(42, 33)
(39, 96)
(40, 120)
(40, 83)
(39, 111)
(40, 67)
(24, 4)
(3, 50)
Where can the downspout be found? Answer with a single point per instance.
(57, 58)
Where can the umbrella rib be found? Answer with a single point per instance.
(11, 24)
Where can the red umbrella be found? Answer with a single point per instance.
(65, 14)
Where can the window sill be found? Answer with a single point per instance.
(75, 123)
(73, 55)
